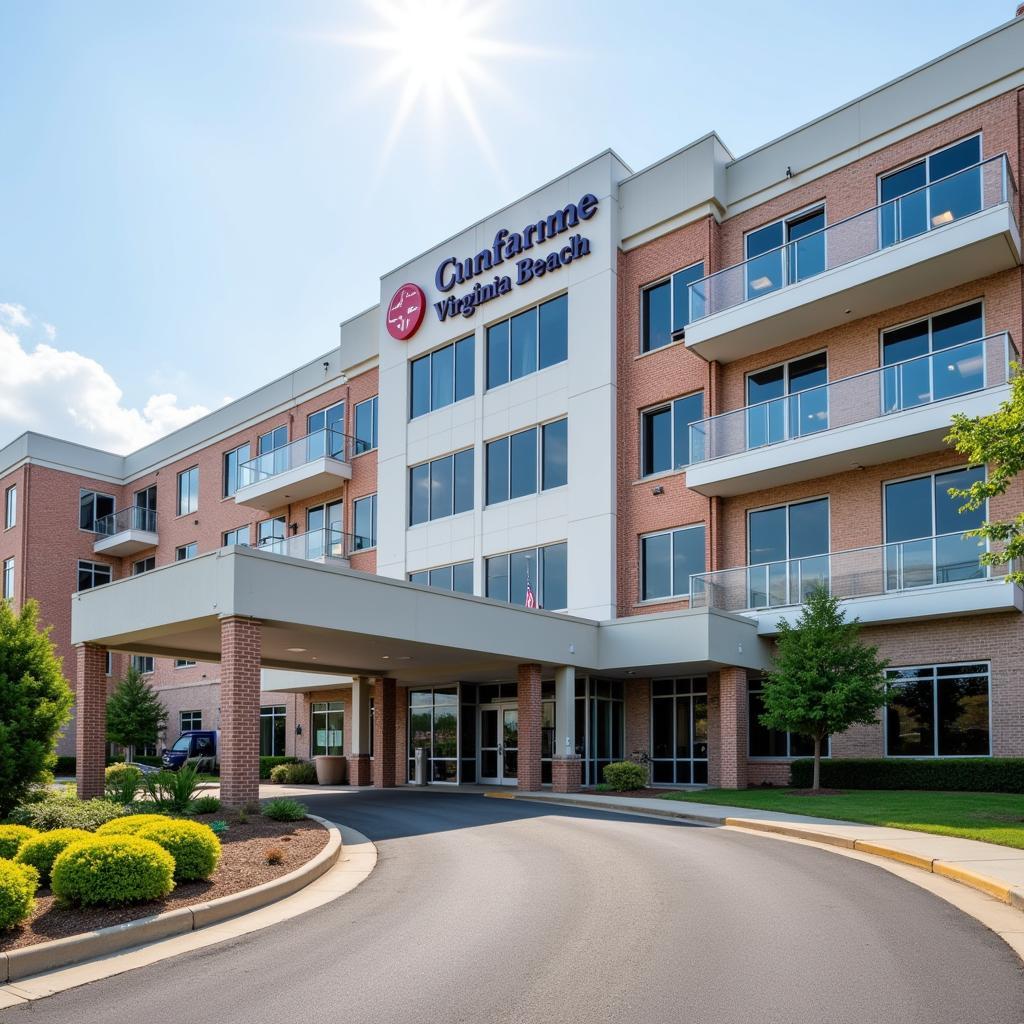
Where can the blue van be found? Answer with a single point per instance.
(198, 745)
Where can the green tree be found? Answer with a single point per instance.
(35, 702)
(824, 678)
(135, 714)
(996, 441)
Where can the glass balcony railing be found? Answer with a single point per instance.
(320, 444)
(860, 572)
(947, 373)
(134, 518)
(317, 545)
(976, 188)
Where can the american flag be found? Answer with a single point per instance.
(531, 601)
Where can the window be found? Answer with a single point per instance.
(183, 663)
(324, 531)
(232, 460)
(109, 668)
(186, 551)
(271, 450)
(785, 252)
(188, 491)
(93, 574)
(441, 377)
(11, 507)
(366, 425)
(913, 377)
(668, 560)
(239, 536)
(144, 516)
(787, 400)
(93, 507)
(434, 725)
(332, 441)
(441, 488)
(272, 731)
(679, 731)
(514, 468)
(665, 434)
(665, 308)
(530, 341)
(457, 577)
(765, 742)
(938, 711)
(142, 663)
(8, 581)
(787, 552)
(364, 514)
(931, 192)
(543, 568)
(189, 720)
(143, 565)
(270, 530)
(924, 531)
(327, 723)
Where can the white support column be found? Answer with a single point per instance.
(566, 768)
(359, 773)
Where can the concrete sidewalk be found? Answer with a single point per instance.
(997, 871)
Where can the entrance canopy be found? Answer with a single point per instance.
(328, 619)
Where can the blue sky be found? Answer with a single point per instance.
(194, 194)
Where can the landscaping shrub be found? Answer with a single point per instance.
(59, 811)
(18, 884)
(285, 810)
(11, 838)
(194, 847)
(174, 791)
(130, 824)
(42, 850)
(978, 775)
(205, 805)
(267, 764)
(121, 782)
(297, 773)
(621, 776)
(112, 869)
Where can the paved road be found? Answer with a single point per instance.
(499, 911)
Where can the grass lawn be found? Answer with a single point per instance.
(990, 817)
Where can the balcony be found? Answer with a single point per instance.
(893, 412)
(931, 577)
(319, 462)
(958, 229)
(126, 532)
(329, 546)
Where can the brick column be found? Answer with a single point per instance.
(90, 719)
(528, 678)
(732, 730)
(385, 700)
(240, 643)
(359, 766)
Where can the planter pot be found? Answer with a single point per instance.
(330, 769)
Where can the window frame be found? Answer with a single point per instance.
(785, 364)
(372, 497)
(227, 489)
(181, 475)
(785, 220)
(929, 318)
(273, 713)
(509, 379)
(539, 584)
(95, 518)
(755, 686)
(182, 727)
(147, 564)
(930, 475)
(8, 581)
(670, 405)
(140, 661)
(428, 357)
(326, 708)
(248, 533)
(282, 520)
(675, 334)
(11, 507)
(642, 574)
(539, 448)
(787, 505)
(92, 570)
(440, 568)
(323, 412)
(182, 552)
(453, 455)
(373, 403)
(925, 158)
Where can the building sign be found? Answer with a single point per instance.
(405, 311)
(507, 246)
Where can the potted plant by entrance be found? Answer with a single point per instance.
(330, 769)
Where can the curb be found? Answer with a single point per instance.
(47, 956)
(1012, 896)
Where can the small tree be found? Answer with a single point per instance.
(135, 714)
(35, 702)
(824, 678)
(995, 440)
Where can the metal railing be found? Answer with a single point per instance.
(316, 545)
(947, 373)
(134, 518)
(979, 187)
(320, 444)
(945, 559)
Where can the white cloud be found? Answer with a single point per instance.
(68, 395)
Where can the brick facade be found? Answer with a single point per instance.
(529, 698)
(240, 643)
(385, 734)
(91, 736)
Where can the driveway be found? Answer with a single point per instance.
(485, 910)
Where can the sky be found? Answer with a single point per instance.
(194, 195)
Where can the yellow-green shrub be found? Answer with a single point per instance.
(11, 838)
(130, 824)
(193, 845)
(42, 850)
(18, 884)
(112, 869)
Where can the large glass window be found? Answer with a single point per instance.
(787, 552)
(938, 711)
(440, 488)
(327, 727)
(8, 581)
(270, 530)
(271, 449)
(665, 433)
(366, 425)
(938, 357)
(11, 507)
(188, 491)
(787, 400)
(232, 460)
(679, 731)
(324, 530)
(239, 536)
(441, 377)
(668, 560)
(544, 569)
(665, 308)
(785, 252)
(93, 574)
(532, 340)
(515, 467)
(600, 725)
(434, 725)
(364, 514)
(457, 577)
(924, 531)
(93, 506)
(189, 720)
(143, 565)
(765, 742)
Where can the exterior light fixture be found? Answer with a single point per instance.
(658, 490)
(298, 728)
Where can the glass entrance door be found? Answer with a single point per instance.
(499, 744)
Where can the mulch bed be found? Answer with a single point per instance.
(243, 864)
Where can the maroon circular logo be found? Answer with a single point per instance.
(405, 312)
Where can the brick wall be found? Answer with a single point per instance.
(240, 647)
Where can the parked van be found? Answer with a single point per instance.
(200, 745)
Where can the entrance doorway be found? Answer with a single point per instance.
(499, 744)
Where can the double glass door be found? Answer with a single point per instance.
(499, 744)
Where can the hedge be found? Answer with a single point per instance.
(12, 837)
(42, 850)
(112, 870)
(18, 884)
(67, 764)
(977, 775)
(194, 847)
(267, 763)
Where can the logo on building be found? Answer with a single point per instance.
(405, 312)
